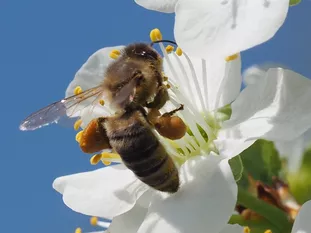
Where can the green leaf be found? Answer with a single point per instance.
(261, 161)
(294, 2)
(236, 165)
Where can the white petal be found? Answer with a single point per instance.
(104, 192)
(226, 27)
(293, 150)
(206, 199)
(233, 229)
(214, 84)
(130, 221)
(302, 223)
(166, 6)
(254, 73)
(277, 107)
(91, 74)
(229, 147)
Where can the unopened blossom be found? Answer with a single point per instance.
(224, 27)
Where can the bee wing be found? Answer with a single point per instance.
(67, 107)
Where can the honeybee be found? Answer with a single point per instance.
(133, 82)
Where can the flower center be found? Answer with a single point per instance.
(202, 125)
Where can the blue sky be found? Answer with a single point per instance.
(43, 44)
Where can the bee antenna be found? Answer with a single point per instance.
(159, 41)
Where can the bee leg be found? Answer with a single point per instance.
(160, 98)
(169, 126)
(94, 137)
(136, 75)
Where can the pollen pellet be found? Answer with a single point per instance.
(94, 221)
(102, 102)
(232, 57)
(178, 51)
(77, 90)
(79, 135)
(169, 48)
(77, 124)
(246, 230)
(95, 159)
(268, 231)
(78, 230)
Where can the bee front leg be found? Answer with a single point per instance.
(94, 137)
(170, 126)
(160, 98)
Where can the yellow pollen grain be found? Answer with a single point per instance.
(178, 51)
(169, 48)
(95, 159)
(114, 54)
(94, 221)
(77, 124)
(155, 35)
(268, 231)
(165, 78)
(168, 86)
(77, 90)
(78, 230)
(232, 57)
(246, 230)
(102, 102)
(79, 135)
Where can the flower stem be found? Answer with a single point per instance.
(272, 214)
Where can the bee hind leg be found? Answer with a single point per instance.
(94, 137)
(170, 126)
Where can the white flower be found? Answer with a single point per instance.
(302, 223)
(207, 182)
(207, 194)
(222, 27)
(294, 94)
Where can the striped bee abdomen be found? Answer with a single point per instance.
(142, 153)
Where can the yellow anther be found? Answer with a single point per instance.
(114, 54)
(169, 48)
(232, 57)
(77, 90)
(78, 230)
(78, 136)
(268, 231)
(116, 51)
(155, 34)
(109, 155)
(95, 159)
(246, 230)
(105, 162)
(94, 221)
(77, 124)
(102, 102)
(168, 86)
(178, 51)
